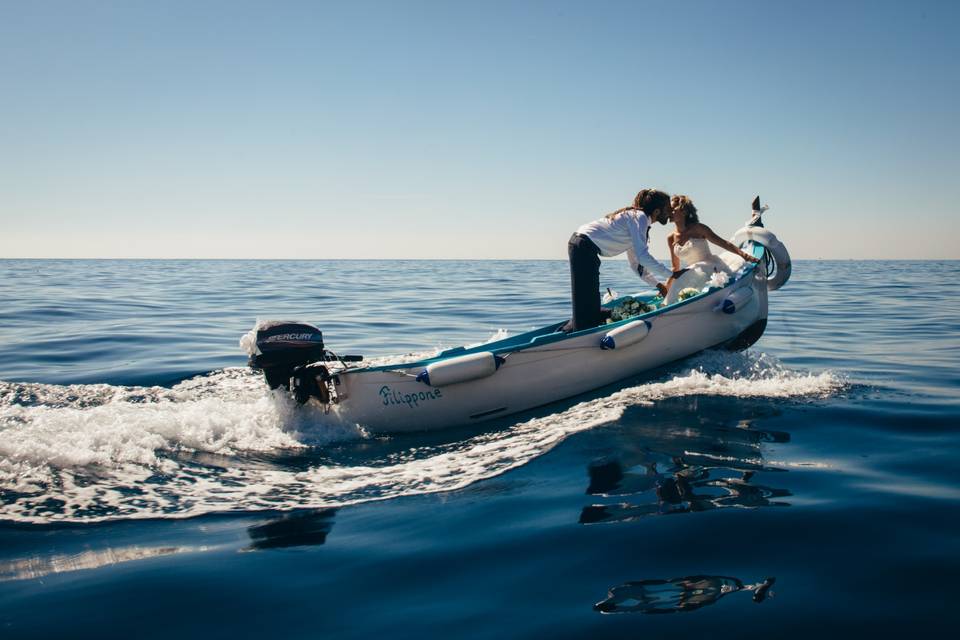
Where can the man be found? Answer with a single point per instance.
(624, 230)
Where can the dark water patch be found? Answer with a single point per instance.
(298, 529)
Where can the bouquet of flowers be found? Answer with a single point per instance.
(629, 307)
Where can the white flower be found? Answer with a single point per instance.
(718, 280)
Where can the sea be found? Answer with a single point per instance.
(152, 487)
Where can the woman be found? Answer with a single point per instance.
(624, 230)
(690, 247)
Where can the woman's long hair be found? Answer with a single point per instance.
(648, 200)
(685, 206)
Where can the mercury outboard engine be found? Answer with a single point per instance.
(282, 347)
(291, 355)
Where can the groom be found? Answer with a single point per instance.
(625, 230)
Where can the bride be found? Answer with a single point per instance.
(690, 248)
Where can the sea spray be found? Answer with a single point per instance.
(223, 442)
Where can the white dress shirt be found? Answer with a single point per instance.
(627, 232)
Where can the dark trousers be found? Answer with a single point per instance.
(584, 283)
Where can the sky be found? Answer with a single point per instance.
(417, 130)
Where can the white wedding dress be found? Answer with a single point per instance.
(705, 267)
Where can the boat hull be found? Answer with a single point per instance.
(395, 401)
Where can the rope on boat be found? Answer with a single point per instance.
(402, 373)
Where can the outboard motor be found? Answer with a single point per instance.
(291, 355)
(281, 347)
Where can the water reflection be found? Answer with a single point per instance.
(297, 529)
(678, 594)
(668, 469)
(41, 566)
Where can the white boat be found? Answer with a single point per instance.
(467, 385)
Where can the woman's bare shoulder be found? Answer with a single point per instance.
(697, 230)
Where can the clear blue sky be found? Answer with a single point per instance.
(471, 129)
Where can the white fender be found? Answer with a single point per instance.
(460, 369)
(776, 251)
(736, 300)
(628, 334)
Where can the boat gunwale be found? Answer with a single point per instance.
(539, 337)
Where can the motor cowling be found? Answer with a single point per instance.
(278, 348)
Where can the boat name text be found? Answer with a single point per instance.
(391, 397)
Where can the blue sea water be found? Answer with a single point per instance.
(151, 487)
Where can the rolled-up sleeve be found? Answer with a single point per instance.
(641, 262)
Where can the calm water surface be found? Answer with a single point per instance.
(151, 487)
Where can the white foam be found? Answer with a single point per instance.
(85, 452)
(499, 334)
(739, 375)
(111, 428)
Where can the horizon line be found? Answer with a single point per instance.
(89, 259)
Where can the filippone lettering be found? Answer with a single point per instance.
(392, 397)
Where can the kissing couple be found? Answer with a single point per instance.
(627, 230)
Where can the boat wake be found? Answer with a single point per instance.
(222, 442)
